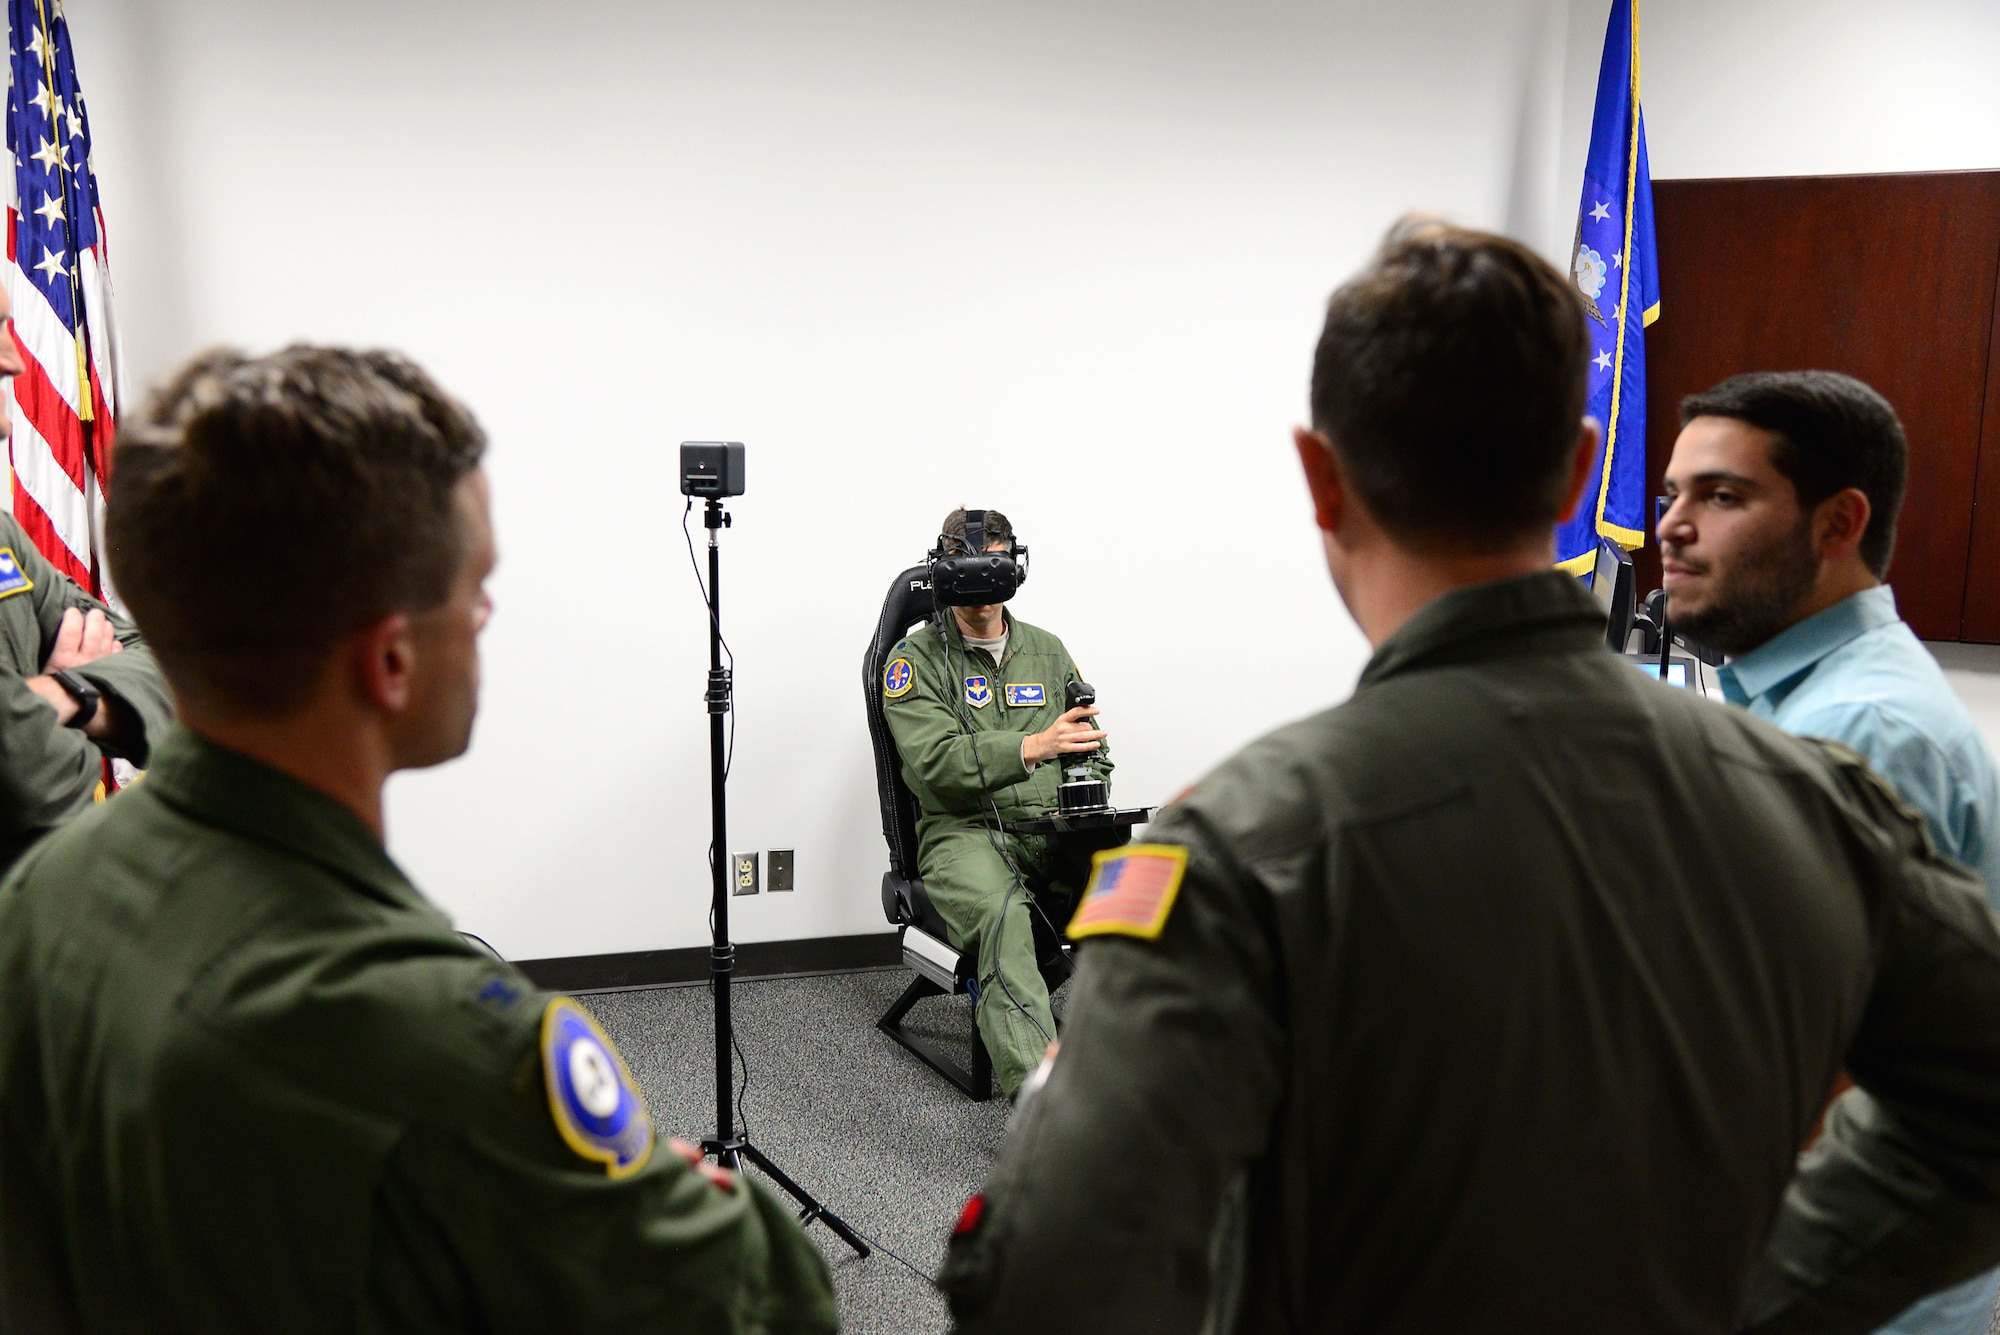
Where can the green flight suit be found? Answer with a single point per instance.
(251, 1080)
(49, 773)
(1498, 999)
(959, 720)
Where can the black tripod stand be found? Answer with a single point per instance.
(728, 1147)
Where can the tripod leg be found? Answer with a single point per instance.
(812, 1209)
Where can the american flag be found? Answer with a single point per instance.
(61, 292)
(1131, 891)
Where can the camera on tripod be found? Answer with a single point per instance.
(712, 468)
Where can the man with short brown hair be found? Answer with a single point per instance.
(250, 1079)
(1500, 997)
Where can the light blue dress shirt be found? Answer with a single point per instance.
(1857, 675)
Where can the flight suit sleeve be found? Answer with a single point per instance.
(941, 755)
(132, 677)
(1104, 1210)
(548, 1240)
(46, 769)
(1900, 1196)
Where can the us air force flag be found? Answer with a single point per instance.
(1612, 263)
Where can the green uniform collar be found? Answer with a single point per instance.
(226, 789)
(1545, 612)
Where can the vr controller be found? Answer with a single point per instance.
(964, 574)
(1081, 792)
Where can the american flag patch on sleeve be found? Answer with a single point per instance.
(1131, 891)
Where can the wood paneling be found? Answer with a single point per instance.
(1982, 575)
(1888, 278)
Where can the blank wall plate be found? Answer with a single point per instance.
(781, 870)
(744, 868)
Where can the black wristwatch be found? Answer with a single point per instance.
(82, 692)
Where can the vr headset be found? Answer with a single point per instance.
(964, 574)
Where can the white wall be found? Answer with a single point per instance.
(1974, 672)
(1061, 259)
(1767, 88)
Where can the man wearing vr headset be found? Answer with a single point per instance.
(975, 702)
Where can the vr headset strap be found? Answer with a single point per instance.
(975, 531)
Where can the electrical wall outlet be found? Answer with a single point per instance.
(781, 870)
(744, 868)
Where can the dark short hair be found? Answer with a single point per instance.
(1834, 432)
(265, 507)
(998, 529)
(1450, 378)
(181, 393)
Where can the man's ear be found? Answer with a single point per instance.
(1582, 469)
(385, 658)
(1322, 476)
(1840, 522)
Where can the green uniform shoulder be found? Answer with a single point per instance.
(349, 997)
(1270, 805)
(1030, 639)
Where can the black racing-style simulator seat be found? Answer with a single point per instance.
(941, 969)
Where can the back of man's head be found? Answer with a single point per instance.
(269, 506)
(1450, 378)
(1834, 432)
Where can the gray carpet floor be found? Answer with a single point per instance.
(846, 1112)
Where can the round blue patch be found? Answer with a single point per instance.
(596, 1107)
(898, 677)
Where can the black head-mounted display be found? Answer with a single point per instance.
(964, 574)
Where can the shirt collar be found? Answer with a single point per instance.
(226, 789)
(1796, 649)
(1547, 611)
(956, 633)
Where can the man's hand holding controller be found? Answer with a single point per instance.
(1072, 734)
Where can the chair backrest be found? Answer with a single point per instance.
(908, 603)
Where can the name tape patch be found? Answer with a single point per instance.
(13, 579)
(898, 678)
(978, 693)
(597, 1108)
(1131, 891)
(1026, 695)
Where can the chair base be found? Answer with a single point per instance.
(977, 1083)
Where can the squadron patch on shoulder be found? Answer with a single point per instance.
(898, 678)
(978, 693)
(596, 1106)
(1131, 891)
(13, 579)
(1026, 695)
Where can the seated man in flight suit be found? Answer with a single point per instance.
(976, 708)
(250, 1079)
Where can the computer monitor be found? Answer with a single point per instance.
(1612, 580)
(1680, 671)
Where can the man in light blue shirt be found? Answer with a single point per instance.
(1784, 491)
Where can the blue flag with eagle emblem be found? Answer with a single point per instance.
(1613, 264)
